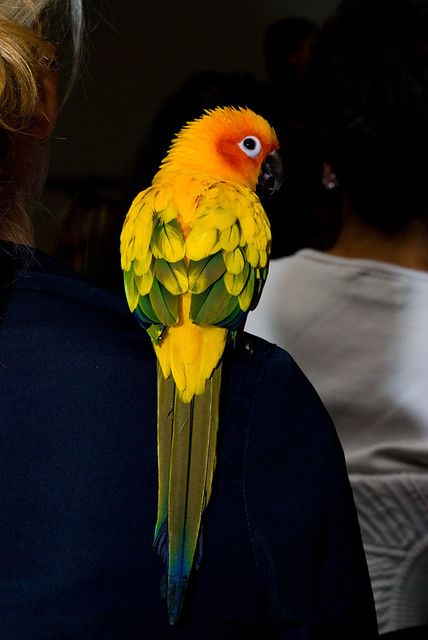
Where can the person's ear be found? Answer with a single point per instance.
(44, 118)
(329, 178)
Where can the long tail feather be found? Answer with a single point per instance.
(187, 456)
(179, 553)
(166, 399)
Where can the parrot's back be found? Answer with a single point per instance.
(195, 249)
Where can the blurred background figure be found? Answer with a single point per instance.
(88, 235)
(355, 317)
(287, 46)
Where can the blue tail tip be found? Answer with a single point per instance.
(175, 602)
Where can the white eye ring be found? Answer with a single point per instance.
(251, 146)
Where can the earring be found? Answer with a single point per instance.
(50, 63)
(49, 58)
(329, 178)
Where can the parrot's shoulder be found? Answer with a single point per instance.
(229, 191)
(230, 218)
(155, 202)
(223, 203)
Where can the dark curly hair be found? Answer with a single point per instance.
(367, 96)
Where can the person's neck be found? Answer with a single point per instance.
(407, 248)
(24, 173)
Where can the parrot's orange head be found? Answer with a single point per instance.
(228, 143)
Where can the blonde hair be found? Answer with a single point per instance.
(23, 27)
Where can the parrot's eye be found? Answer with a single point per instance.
(251, 146)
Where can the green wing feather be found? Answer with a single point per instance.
(236, 240)
(152, 251)
(203, 273)
(165, 417)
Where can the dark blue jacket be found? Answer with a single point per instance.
(282, 554)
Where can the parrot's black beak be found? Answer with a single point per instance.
(270, 178)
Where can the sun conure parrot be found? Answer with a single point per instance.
(195, 250)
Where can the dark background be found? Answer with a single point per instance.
(137, 52)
